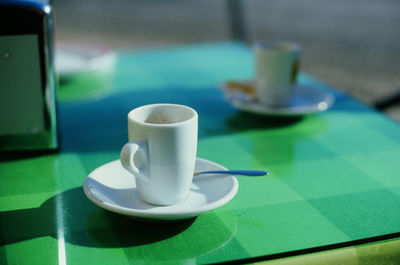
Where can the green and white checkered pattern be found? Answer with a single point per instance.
(333, 176)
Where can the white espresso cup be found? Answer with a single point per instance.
(161, 152)
(276, 66)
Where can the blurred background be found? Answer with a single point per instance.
(353, 45)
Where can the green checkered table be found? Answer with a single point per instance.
(333, 176)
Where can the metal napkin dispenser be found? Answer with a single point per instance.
(27, 82)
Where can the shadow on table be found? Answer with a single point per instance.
(69, 216)
(246, 121)
(72, 216)
(8, 156)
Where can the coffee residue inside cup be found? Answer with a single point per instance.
(158, 118)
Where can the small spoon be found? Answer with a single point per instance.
(234, 172)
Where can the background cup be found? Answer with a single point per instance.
(276, 65)
(161, 152)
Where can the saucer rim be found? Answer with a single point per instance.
(259, 108)
(175, 214)
(94, 57)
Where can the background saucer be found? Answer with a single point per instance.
(75, 58)
(306, 99)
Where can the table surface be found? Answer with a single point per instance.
(333, 180)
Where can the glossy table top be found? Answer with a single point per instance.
(333, 178)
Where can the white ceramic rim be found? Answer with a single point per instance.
(141, 108)
(277, 46)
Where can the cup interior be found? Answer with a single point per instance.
(162, 114)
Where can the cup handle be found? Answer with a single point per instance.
(134, 158)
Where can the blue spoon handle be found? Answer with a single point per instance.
(235, 172)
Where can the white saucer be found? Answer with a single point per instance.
(71, 59)
(113, 188)
(305, 100)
